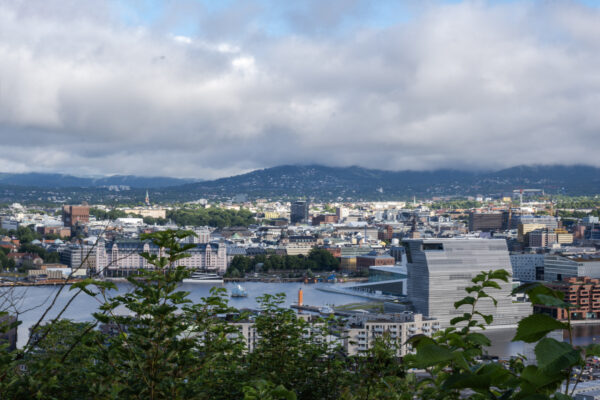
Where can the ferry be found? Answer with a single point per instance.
(203, 277)
(239, 291)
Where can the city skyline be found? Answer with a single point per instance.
(213, 89)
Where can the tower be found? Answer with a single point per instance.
(147, 201)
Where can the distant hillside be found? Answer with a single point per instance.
(361, 183)
(292, 182)
(43, 180)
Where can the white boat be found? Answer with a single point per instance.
(326, 310)
(239, 291)
(203, 277)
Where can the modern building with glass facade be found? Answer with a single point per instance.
(439, 271)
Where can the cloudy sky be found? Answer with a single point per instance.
(205, 89)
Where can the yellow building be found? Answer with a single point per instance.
(348, 263)
(524, 229)
(563, 237)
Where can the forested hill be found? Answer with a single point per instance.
(44, 180)
(313, 181)
(369, 184)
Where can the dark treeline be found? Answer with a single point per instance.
(188, 216)
(215, 217)
(317, 260)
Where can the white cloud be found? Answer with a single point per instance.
(462, 85)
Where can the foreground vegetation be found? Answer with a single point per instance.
(160, 345)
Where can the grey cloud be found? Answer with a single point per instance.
(470, 85)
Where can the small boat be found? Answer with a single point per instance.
(326, 310)
(203, 277)
(239, 291)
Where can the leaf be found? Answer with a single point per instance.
(470, 300)
(536, 326)
(500, 274)
(431, 354)
(554, 356)
(456, 320)
(491, 284)
(553, 301)
(478, 339)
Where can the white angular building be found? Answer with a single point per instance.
(439, 271)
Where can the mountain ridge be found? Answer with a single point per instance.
(320, 182)
(56, 180)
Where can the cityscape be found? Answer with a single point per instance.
(299, 200)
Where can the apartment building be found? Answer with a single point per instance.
(361, 332)
(582, 292)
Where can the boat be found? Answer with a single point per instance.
(239, 291)
(326, 310)
(203, 277)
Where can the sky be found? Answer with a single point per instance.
(207, 89)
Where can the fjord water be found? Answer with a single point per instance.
(31, 302)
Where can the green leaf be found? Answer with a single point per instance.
(431, 354)
(470, 300)
(491, 284)
(478, 339)
(536, 326)
(552, 301)
(554, 356)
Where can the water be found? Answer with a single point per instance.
(32, 302)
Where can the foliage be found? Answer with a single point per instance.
(110, 214)
(317, 260)
(215, 217)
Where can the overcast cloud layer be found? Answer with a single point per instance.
(91, 90)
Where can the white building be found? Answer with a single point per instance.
(361, 332)
(123, 257)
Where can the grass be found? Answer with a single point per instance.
(367, 306)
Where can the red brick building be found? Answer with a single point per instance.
(582, 292)
(385, 233)
(373, 259)
(72, 215)
(324, 219)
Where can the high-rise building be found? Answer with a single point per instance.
(439, 270)
(299, 212)
(72, 215)
(486, 222)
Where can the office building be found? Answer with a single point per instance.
(547, 221)
(527, 267)
(557, 267)
(486, 222)
(299, 212)
(439, 270)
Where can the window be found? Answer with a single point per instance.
(432, 246)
